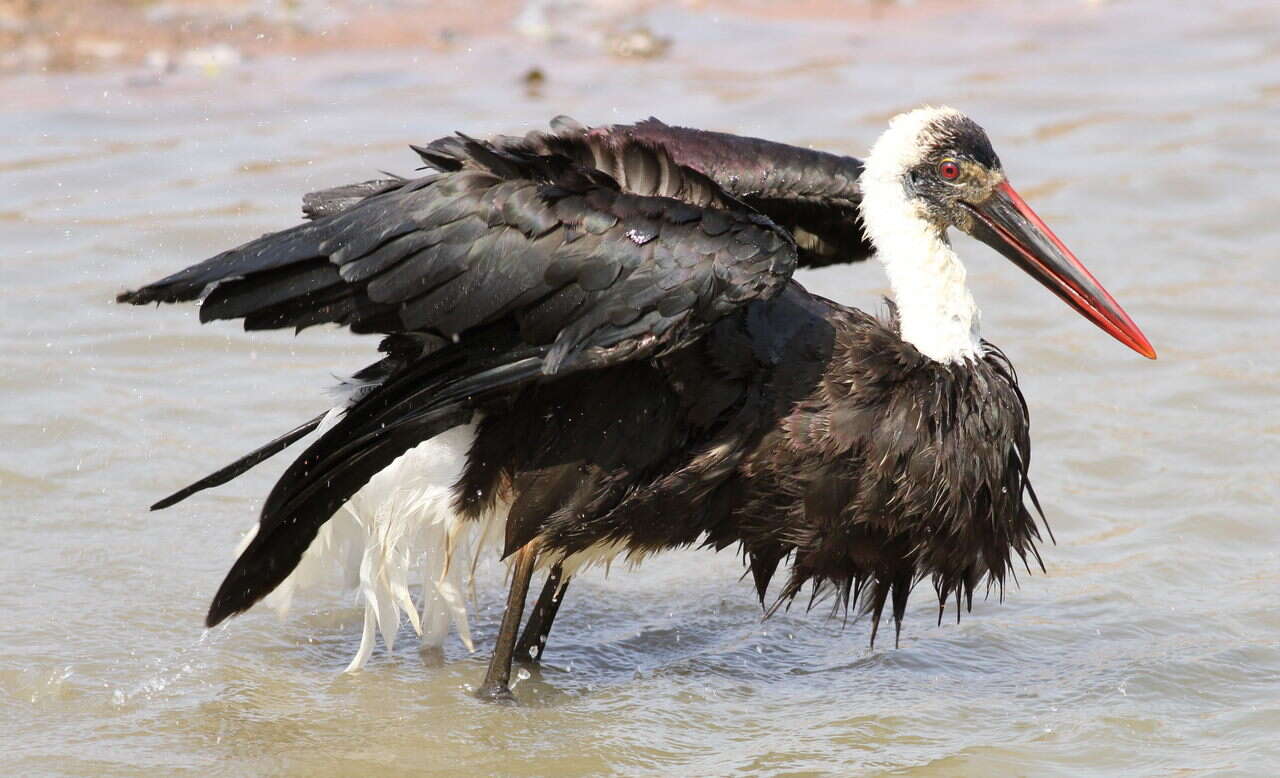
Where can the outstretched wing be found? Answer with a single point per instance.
(595, 272)
(812, 194)
(536, 264)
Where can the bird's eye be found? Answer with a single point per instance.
(949, 170)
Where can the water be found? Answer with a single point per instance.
(1143, 132)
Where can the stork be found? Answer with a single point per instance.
(594, 347)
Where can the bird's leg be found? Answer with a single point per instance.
(534, 638)
(497, 680)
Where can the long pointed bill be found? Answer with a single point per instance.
(1006, 223)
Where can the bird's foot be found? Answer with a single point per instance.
(497, 692)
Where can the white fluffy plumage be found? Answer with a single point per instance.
(401, 530)
(936, 312)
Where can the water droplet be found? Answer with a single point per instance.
(640, 237)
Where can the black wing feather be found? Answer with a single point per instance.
(317, 205)
(505, 229)
(813, 194)
(243, 464)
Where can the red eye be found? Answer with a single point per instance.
(949, 170)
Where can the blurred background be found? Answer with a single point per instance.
(137, 137)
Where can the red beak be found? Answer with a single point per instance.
(1006, 223)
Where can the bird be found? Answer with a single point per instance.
(593, 347)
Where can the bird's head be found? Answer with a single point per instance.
(935, 168)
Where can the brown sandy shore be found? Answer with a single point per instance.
(160, 35)
(61, 35)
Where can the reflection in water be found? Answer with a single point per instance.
(1143, 133)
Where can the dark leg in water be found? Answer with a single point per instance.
(533, 641)
(497, 679)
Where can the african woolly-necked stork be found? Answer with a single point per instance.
(594, 347)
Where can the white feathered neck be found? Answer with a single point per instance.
(936, 312)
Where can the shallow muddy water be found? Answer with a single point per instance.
(1144, 132)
